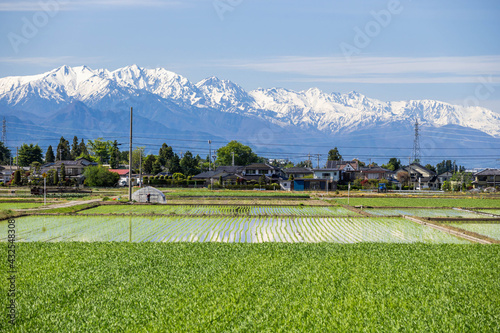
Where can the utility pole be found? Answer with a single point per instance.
(309, 160)
(232, 153)
(318, 160)
(209, 154)
(140, 167)
(409, 167)
(130, 161)
(17, 158)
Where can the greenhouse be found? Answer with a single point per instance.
(149, 194)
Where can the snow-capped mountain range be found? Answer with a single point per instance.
(220, 107)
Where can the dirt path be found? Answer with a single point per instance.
(59, 205)
(449, 230)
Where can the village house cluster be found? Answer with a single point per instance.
(335, 175)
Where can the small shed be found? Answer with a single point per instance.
(155, 196)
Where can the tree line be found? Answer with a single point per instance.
(108, 152)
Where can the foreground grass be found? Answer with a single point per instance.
(422, 202)
(157, 287)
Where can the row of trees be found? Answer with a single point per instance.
(104, 152)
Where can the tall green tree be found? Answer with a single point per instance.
(243, 155)
(4, 154)
(123, 157)
(156, 167)
(174, 164)
(29, 154)
(49, 155)
(448, 165)
(137, 156)
(114, 159)
(63, 172)
(430, 167)
(393, 164)
(165, 154)
(75, 148)
(17, 178)
(334, 155)
(100, 149)
(147, 164)
(83, 149)
(189, 164)
(63, 152)
(56, 178)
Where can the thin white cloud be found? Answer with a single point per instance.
(362, 69)
(64, 5)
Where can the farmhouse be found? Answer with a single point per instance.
(298, 172)
(487, 178)
(375, 172)
(347, 169)
(422, 177)
(73, 169)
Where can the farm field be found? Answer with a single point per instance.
(422, 202)
(221, 210)
(422, 212)
(157, 287)
(490, 211)
(169, 192)
(20, 205)
(487, 229)
(240, 229)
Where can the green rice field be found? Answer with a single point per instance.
(487, 229)
(422, 202)
(241, 229)
(422, 212)
(272, 287)
(169, 192)
(20, 205)
(491, 211)
(221, 210)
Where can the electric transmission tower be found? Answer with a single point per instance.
(416, 144)
(4, 131)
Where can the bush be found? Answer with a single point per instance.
(100, 177)
(178, 176)
(106, 199)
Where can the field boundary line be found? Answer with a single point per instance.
(452, 231)
(480, 212)
(357, 210)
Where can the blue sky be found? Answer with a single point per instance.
(390, 50)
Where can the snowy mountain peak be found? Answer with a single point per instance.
(312, 108)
